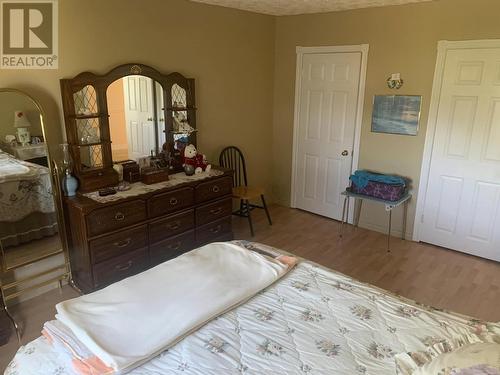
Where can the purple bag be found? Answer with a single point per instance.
(380, 190)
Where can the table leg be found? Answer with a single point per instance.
(389, 232)
(405, 214)
(348, 205)
(343, 216)
(359, 211)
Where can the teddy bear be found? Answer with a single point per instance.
(195, 159)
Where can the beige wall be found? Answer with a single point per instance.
(230, 53)
(402, 39)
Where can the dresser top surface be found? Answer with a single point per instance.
(90, 201)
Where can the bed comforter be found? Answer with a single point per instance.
(160, 306)
(27, 209)
(312, 321)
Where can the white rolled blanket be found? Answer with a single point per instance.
(131, 321)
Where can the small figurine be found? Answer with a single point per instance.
(181, 125)
(197, 160)
(84, 111)
(184, 127)
(189, 169)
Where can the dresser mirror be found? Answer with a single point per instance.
(136, 117)
(30, 220)
(129, 113)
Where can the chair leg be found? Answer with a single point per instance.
(247, 206)
(265, 209)
(241, 207)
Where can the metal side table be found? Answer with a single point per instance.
(389, 206)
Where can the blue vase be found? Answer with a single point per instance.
(69, 184)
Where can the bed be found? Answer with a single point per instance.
(312, 321)
(27, 209)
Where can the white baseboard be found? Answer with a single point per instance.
(383, 229)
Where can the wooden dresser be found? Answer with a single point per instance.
(113, 240)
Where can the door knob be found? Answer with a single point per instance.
(345, 153)
(150, 119)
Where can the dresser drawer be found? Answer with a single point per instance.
(214, 211)
(165, 203)
(120, 267)
(210, 232)
(223, 238)
(116, 216)
(170, 226)
(213, 189)
(118, 243)
(171, 248)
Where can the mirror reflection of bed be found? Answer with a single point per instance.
(28, 218)
(29, 229)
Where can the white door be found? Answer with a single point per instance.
(327, 107)
(139, 115)
(463, 193)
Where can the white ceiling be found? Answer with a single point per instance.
(289, 7)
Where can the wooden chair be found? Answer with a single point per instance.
(232, 157)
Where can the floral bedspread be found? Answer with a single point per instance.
(24, 193)
(313, 321)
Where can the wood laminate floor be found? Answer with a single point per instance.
(426, 273)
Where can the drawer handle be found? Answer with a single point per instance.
(216, 211)
(173, 201)
(123, 243)
(177, 246)
(174, 226)
(216, 229)
(119, 216)
(121, 267)
(215, 189)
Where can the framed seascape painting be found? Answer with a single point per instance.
(396, 114)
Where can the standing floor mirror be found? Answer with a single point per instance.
(32, 236)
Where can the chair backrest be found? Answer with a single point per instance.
(232, 157)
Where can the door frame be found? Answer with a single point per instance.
(443, 46)
(301, 51)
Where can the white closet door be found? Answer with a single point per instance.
(139, 115)
(327, 117)
(463, 194)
